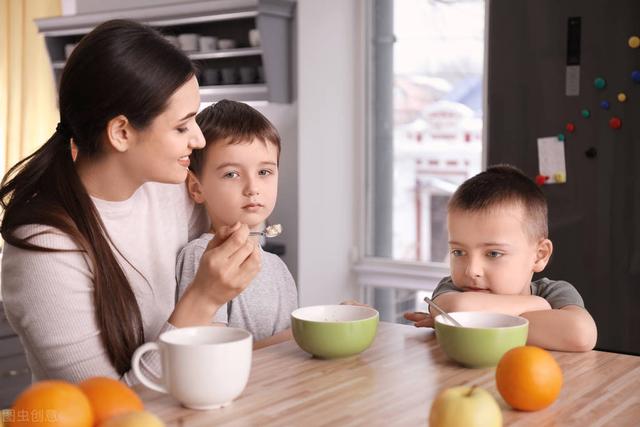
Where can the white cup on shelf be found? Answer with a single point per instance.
(211, 77)
(203, 367)
(189, 42)
(260, 70)
(68, 49)
(247, 75)
(208, 43)
(173, 40)
(254, 37)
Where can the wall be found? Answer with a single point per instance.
(329, 123)
(285, 118)
(94, 6)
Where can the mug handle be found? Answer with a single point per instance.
(135, 364)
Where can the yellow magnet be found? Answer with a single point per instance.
(634, 42)
(622, 97)
(560, 177)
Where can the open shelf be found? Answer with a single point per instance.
(227, 53)
(255, 92)
(231, 19)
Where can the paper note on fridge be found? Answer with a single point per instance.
(551, 159)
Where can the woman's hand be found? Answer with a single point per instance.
(228, 265)
(422, 320)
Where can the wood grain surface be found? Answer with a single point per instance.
(394, 383)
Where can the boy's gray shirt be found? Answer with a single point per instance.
(263, 308)
(557, 292)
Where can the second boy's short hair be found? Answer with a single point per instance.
(504, 184)
(234, 123)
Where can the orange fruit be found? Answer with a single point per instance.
(51, 403)
(528, 378)
(110, 397)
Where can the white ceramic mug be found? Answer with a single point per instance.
(211, 77)
(254, 37)
(173, 40)
(203, 367)
(229, 76)
(189, 42)
(247, 75)
(68, 49)
(208, 43)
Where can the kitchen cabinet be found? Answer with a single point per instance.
(15, 375)
(247, 72)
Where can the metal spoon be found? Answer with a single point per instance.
(271, 231)
(444, 313)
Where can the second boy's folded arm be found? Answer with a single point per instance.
(570, 328)
(476, 301)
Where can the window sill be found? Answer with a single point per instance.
(390, 274)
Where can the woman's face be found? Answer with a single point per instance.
(161, 151)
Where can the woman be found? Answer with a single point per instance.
(88, 269)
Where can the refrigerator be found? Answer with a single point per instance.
(570, 70)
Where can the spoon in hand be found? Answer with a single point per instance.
(444, 313)
(271, 231)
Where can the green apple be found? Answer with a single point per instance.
(465, 406)
(134, 419)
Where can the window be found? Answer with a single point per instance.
(425, 121)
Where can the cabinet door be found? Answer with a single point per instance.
(14, 371)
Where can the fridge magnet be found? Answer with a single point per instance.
(585, 113)
(559, 177)
(605, 105)
(615, 123)
(570, 127)
(622, 97)
(541, 179)
(600, 83)
(634, 42)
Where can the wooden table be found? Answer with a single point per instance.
(394, 383)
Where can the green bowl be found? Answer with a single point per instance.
(483, 339)
(332, 331)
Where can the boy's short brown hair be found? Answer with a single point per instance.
(234, 123)
(500, 185)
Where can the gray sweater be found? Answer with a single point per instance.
(48, 296)
(263, 308)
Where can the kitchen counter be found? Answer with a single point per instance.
(394, 383)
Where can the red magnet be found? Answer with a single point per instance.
(570, 127)
(541, 179)
(615, 123)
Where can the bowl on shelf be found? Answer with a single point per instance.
(226, 44)
(334, 331)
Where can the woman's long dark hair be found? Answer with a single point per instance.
(120, 68)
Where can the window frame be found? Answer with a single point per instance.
(379, 272)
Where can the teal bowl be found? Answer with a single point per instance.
(483, 337)
(333, 331)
